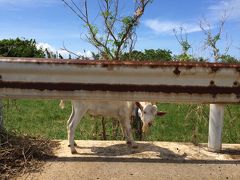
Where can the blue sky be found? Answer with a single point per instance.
(52, 24)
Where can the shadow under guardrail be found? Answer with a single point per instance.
(125, 154)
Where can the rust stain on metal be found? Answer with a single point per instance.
(214, 96)
(212, 83)
(215, 69)
(213, 90)
(238, 69)
(109, 67)
(176, 71)
(214, 66)
(236, 83)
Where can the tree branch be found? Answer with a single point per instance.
(111, 43)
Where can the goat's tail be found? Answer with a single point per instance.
(61, 104)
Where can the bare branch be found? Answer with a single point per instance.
(182, 40)
(70, 52)
(80, 14)
(118, 34)
(211, 39)
(105, 14)
(127, 30)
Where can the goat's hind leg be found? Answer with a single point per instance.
(127, 131)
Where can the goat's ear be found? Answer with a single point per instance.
(139, 105)
(154, 109)
(161, 113)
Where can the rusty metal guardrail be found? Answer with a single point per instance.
(136, 81)
(133, 81)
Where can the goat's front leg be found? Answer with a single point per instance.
(127, 131)
(76, 116)
(70, 120)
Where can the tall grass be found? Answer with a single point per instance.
(184, 123)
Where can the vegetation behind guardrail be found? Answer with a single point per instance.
(183, 123)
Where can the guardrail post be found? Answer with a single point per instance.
(215, 127)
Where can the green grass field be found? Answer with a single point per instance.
(183, 123)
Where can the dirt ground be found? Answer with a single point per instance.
(151, 160)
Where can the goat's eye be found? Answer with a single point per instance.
(144, 112)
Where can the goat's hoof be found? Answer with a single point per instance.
(73, 151)
(75, 144)
(132, 144)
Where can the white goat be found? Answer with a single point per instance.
(120, 110)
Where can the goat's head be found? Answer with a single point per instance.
(147, 113)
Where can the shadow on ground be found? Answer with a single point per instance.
(123, 153)
(123, 150)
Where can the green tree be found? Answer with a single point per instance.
(148, 55)
(228, 59)
(214, 37)
(182, 38)
(134, 55)
(184, 57)
(159, 54)
(117, 33)
(20, 48)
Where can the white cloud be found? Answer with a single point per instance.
(87, 54)
(168, 26)
(64, 53)
(46, 46)
(231, 7)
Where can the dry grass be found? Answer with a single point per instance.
(22, 154)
